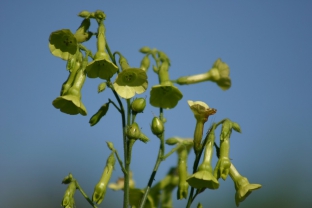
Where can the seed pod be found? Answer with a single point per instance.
(157, 126)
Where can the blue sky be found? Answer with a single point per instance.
(267, 45)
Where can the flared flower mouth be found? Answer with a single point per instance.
(221, 74)
(165, 96)
(203, 179)
(63, 44)
(101, 67)
(201, 110)
(131, 81)
(243, 189)
(70, 104)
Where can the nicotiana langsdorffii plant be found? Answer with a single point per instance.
(126, 82)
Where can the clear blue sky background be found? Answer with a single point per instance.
(267, 44)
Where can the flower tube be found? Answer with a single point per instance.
(204, 178)
(219, 73)
(101, 66)
(242, 185)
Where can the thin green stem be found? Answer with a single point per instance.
(84, 194)
(171, 151)
(120, 162)
(158, 161)
(114, 105)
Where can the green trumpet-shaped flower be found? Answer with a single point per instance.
(101, 66)
(70, 102)
(201, 113)
(68, 199)
(183, 185)
(242, 185)
(74, 65)
(165, 95)
(130, 81)
(100, 188)
(204, 178)
(63, 44)
(219, 73)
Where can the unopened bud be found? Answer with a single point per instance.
(157, 126)
(138, 105)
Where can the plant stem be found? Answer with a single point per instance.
(84, 194)
(158, 161)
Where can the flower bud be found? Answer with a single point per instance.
(134, 132)
(84, 14)
(101, 87)
(138, 105)
(67, 179)
(157, 126)
(98, 115)
(172, 141)
(145, 49)
(236, 127)
(100, 188)
(110, 145)
(145, 63)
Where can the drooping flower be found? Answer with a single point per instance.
(64, 44)
(68, 199)
(165, 95)
(101, 66)
(242, 185)
(70, 102)
(204, 178)
(131, 81)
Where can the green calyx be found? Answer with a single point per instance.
(100, 188)
(101, 66)
(157, 126)
(98, 115)
(138, 105)
(134, 132)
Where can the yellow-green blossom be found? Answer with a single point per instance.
(219, 73)
(101, 66)
(242, 185)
